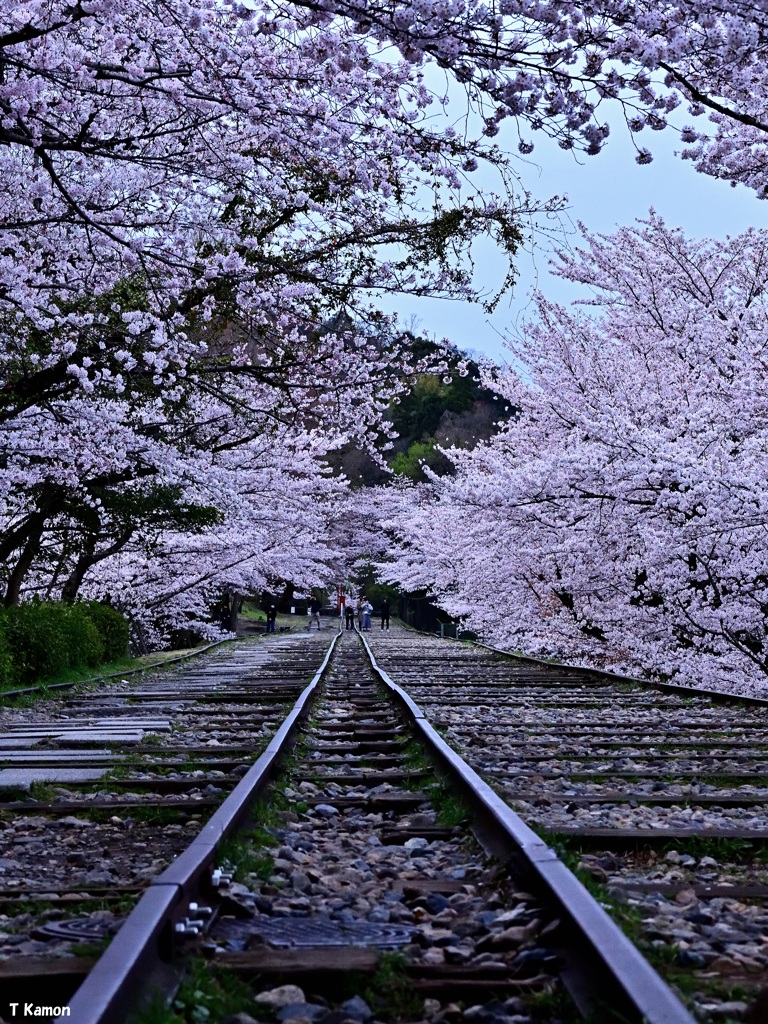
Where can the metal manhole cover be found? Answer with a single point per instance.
(298, 932)
(76, 929)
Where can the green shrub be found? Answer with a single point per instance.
(36, 637)
(43, 638)
(6, 661)
(83, 640)
(113, 629)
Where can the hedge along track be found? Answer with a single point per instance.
(365, 891)
(657, 796)
(101, 790)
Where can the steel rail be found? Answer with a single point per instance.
(140, 957)
(618, 973)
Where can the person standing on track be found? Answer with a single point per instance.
(365, 614)
(314, 613)
(351, 608)
(385, 613)
(271, 618)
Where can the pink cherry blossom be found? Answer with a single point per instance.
(619, 518)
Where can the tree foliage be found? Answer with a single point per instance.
(190, 192)
(41, 639)
(191, 189)
(621, 515)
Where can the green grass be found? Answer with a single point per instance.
(414, 758)
(450, 808)
(554, 1004)
(156, 1012)
(247, 854)
(390, 992)
(126, 767)
(25, 906)
(252, 614)
(152, 739)
(90, 949)
(206, 996)
(44, 792)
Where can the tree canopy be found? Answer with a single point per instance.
(193, 189)
(620, 516)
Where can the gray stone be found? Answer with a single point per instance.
(301, 1011)
(326, 810)
(721, 1011)
(283, 995)
(417, 843)
(357, 1009)
(99, 878)
(436, 902)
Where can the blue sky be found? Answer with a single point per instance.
(604, 192)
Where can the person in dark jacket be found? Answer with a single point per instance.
(385, 613)
(314, 612)
(271, 618)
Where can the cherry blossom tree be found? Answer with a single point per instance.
(273, 145)
(191, 189)
(620, 518)
(280, 525)
(554, 66)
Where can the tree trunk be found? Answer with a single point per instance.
(235, 604)
(74, 581)
(22, 567)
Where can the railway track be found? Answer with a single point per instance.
(354, 880)
(355, 874)
(103, 788)
(656, 799)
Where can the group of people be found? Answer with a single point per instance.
(350, 606)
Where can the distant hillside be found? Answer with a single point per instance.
(435, 413)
